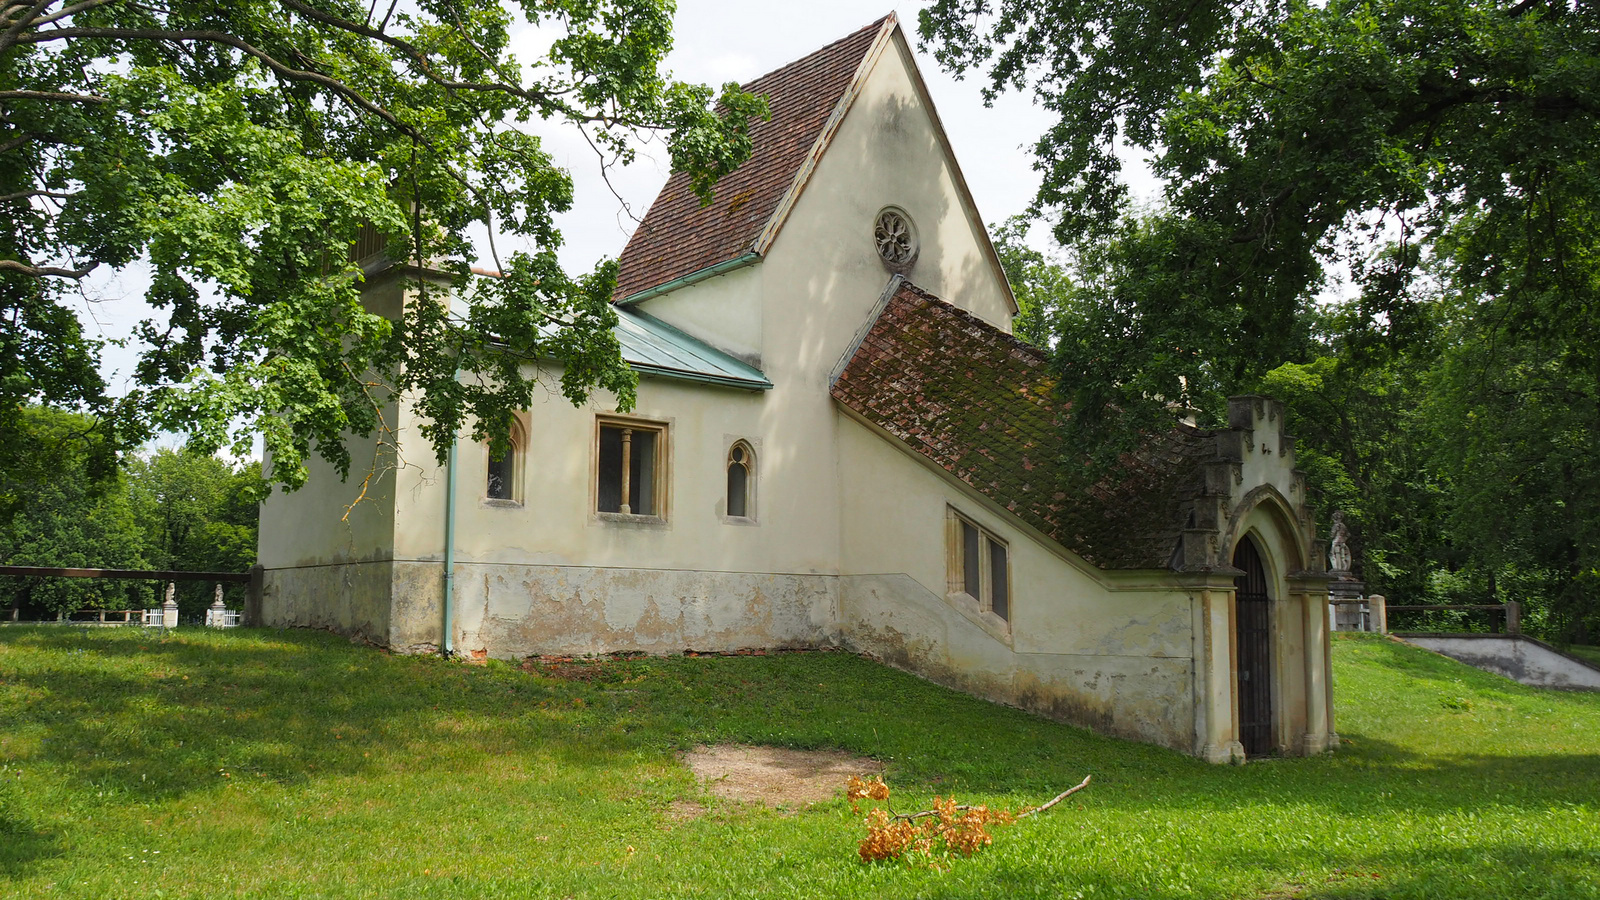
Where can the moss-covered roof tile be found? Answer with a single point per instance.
(982, 405)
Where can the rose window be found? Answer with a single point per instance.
(896, 240)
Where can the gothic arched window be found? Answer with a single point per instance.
(741, 481)
(502, 480)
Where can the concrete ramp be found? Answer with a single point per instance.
(1516, 656)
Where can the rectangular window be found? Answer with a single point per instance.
(980, 566)
(998, 599)
(629, 468)
(971, 559)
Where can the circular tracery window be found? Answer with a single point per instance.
(895, 237)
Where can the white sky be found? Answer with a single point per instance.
(716, 41)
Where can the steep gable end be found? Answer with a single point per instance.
(679, 237)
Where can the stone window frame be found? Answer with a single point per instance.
(660, 473)
(980, 608)
(901, 266)
(752, 470)
(519, 454)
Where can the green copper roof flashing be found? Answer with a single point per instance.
(738, 262)
(652, 347)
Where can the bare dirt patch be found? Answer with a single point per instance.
(776, 776)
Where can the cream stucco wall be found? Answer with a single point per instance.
(1110, 651)
(310, 527)
(725, 311)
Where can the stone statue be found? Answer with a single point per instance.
(1339, 547)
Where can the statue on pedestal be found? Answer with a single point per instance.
(1339, 560)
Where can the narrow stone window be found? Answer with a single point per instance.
(501, 482)
(630, 469)
(971, 560)
(741, 478)
(980, 566)
(501, 473)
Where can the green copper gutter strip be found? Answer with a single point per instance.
(737, 262)
(762, 385)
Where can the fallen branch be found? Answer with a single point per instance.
(1058, 798)
(912, 817)
(951, 829)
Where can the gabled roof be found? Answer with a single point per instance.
(652, 347)
(982, 405)
(807, 98)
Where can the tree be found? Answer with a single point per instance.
(1365, 439)
(1043, 289)
(71, 519)
(197, 513)
(1515, 435)
(1393, 135)
(241, 148)
(1439, 150)
(170, 509)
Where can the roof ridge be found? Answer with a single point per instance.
(1040, 353)
(883, 30)
(874, 26)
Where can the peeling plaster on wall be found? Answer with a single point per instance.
(1140, 696)
(517, 611)
(350, 598)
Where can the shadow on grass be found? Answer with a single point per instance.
(21, 843)
(149, 718)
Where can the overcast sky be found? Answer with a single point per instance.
(716, 41)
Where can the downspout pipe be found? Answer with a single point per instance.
(447, 644)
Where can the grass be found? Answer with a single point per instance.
(255, 763)
(1588, 654)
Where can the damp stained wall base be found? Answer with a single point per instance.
(514, 611)
(511, 612)
(896, 619)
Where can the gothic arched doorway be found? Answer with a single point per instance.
(1253, 630)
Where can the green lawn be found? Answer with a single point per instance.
(1585, 653)
(257, 763)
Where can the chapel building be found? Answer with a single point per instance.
(839, 443)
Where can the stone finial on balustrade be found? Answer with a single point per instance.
(217, 614)
(169, 608)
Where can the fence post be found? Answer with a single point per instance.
(1513, 617)
(253, 598)
(1379, 611)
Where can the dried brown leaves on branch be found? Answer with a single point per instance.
(947, 830)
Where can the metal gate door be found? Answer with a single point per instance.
(1254, 662)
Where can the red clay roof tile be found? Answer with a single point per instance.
(982, 405)
(679, 237)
